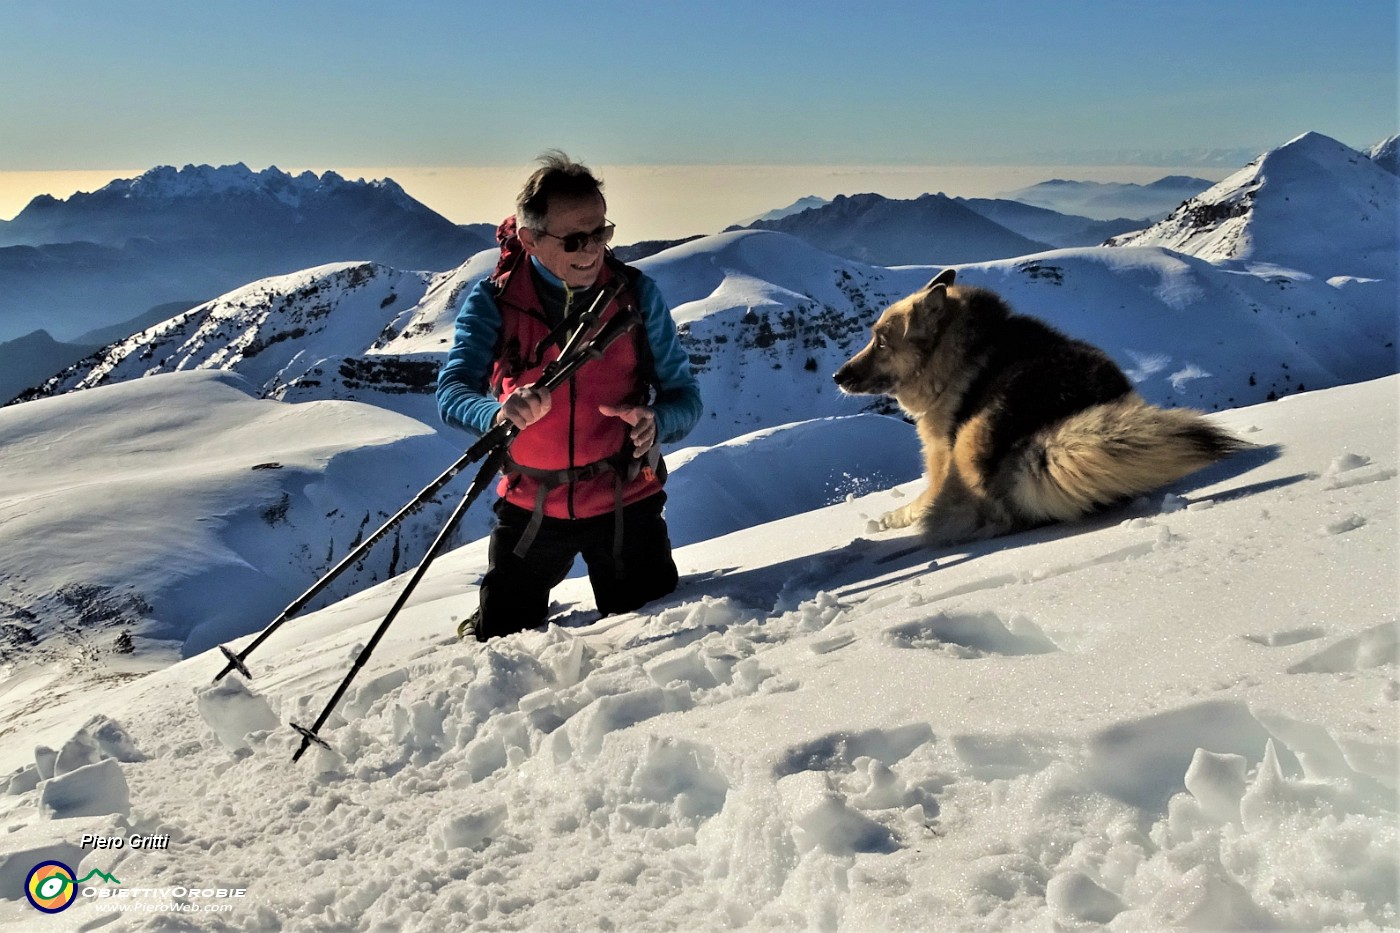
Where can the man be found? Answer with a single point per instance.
(584, 476)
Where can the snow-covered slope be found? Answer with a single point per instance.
(767, 319)
(160, 516)
(152, 518)
(1180, 715)
(1313, 205)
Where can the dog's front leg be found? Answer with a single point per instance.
(936, 466)
(962, 513)
(907, 515)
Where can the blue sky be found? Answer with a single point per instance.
(94, 83)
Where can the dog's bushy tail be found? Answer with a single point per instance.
(1112, 452)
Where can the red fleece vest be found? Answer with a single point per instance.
(574, 433)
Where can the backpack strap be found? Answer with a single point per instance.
(623, 466)
(646, 358)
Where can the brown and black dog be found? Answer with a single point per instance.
(1020, 424)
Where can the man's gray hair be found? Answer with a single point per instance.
(557, 177)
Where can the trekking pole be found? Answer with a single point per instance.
(498, 440)
(474, 453)
(236, 661)
(483, 478)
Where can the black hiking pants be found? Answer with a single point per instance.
(515, 591)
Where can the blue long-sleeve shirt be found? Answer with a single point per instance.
(464, 397)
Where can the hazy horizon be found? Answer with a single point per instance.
(650, 202)
(696, 115)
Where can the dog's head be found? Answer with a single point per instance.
(902, 341)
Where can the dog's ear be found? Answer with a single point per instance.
(934, 295)
(943, 278)
(925, 309)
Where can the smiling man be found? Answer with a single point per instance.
(584, 475)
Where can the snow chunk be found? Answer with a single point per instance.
(823, 819)
(27, 847)
(1075, 896)
(113, 741)
(78, 752)
(92, 790)
(1206, 898)
(1217, 782)
(472, 830)
(233, 711)
(23, 781)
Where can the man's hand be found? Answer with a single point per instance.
(525, 406)
(642, 420)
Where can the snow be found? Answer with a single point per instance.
(1181, 714)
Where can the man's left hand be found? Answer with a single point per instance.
(642, 420)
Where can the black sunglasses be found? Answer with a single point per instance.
(573, 242)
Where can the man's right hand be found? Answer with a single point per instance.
(524, 406)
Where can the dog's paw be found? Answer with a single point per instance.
(899, 518)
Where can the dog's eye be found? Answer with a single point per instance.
(881, 343)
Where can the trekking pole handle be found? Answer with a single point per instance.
(586, 321)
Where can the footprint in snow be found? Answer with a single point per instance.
(972, 635)
(1293, 636)
(1376, 646)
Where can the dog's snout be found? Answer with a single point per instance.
(845, 377)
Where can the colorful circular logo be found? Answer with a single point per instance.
(51, 887)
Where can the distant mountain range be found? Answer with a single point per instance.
(808, 203)
(1047, 226)
(932, 229)
(1111, 200)
(186, 235)
(936, 229)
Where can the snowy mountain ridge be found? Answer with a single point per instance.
(1386, 154)
(1313, 204)
(165, 182)
(334, 310)
(192, 234)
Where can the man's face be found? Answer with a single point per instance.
(565, 216)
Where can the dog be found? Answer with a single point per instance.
(1021, 425)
